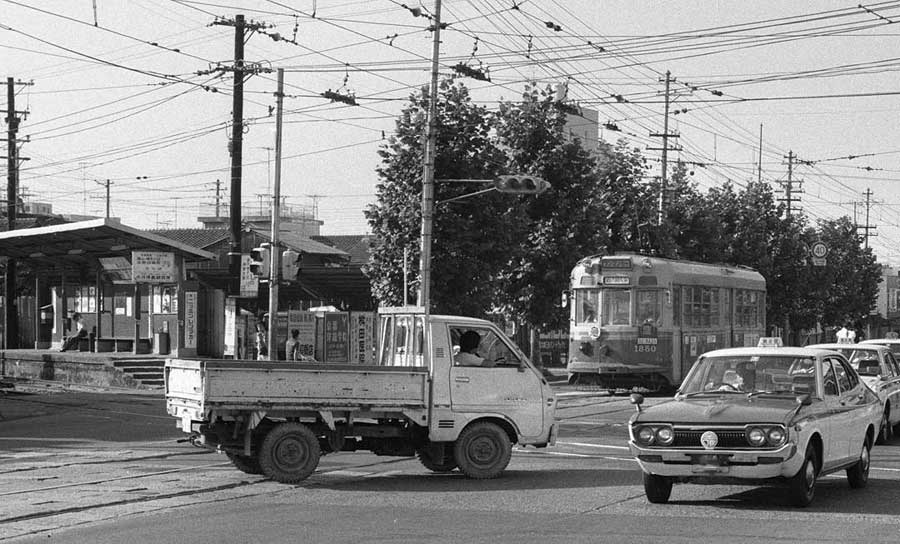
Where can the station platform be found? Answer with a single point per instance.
(110, 369)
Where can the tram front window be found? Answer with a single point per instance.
(616, 307)
(586, 305)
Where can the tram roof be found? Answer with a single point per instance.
(689, 272)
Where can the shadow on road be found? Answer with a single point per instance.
(510, 480)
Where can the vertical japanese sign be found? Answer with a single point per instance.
(230, 327)
(190, 319)
(249, 283)
(337, 345)
(153, 267)
(362, 338)
(305, 322)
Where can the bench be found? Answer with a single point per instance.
(121, 344)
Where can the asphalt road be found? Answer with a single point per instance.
(107, 467)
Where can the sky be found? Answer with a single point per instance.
(137, 95)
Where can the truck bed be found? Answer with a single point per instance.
(204, 385)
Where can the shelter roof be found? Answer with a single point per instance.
(202, 238)
(357, 245)
(80, 244)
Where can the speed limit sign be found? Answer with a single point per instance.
(819, 250)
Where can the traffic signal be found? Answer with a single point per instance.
(521, 185)
(290, 265)
(260, 261)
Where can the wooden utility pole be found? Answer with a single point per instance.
(660, 212)
(428, 174)
(788, 185)
(10, 313)
(867, 227)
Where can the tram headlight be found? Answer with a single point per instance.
(645, 436)
(665, 436)
(587, 348)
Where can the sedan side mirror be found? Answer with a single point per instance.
(637, 399)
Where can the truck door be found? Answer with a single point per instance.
(502, 383)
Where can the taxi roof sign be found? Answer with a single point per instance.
(770, 342)
(845, 341)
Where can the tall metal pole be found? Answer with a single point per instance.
(428, 174)
(10, 325)
(665, 155)
(275, 253)
(759, 163)
(237, 133)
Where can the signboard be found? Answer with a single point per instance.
(362, 338)
(305, 322)
(616, 280)
(190, 319)
(117, 268)
(337, 328)
(249, 282)
(153, 267)
(819, 250)
(230, 326)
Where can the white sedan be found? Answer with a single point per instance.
(877, 366)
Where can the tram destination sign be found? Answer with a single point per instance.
(616, 264)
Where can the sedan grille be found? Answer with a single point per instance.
(728, 439)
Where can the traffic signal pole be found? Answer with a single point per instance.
(274, 268)
(428, 174)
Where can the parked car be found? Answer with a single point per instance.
(878, 368)
(758, 416)
(892, 343)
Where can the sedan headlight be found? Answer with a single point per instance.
(665, 436)
(776, 436)
(756, 436)
(645, 435)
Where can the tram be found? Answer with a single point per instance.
(638, 322)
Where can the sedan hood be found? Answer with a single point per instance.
(729, 409)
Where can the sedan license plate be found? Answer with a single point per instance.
(708, 464)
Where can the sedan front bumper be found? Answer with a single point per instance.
(696, 464)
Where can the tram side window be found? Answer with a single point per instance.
(586, 305)
(648, 308)
(701, 306)
(616, 307)
(747, 308)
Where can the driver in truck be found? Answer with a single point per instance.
(468, 346)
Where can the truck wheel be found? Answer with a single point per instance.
(249, 465)
(858, 474)
(657, 488)
(289, 453)
(437, 458)
(482, 451)
(803, 484)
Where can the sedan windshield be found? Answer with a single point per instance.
(752, 374)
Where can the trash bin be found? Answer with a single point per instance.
(161, 343)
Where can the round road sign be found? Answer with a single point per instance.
(819, 250)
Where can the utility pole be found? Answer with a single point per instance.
(107, 183)
(665, 152)
(10, 313)
(867, 227)
(218, 195)
(789, 185)
(759, 162)
(275, 253)
(428, 174)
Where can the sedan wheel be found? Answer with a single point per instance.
(858, 474)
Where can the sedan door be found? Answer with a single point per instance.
(856, 403)
(890, 382)
(836, 445)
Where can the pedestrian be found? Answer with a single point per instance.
(80, 332)
(292, 346)
(262, 348)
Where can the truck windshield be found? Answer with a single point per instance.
(749, 374)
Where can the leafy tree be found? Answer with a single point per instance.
(463, 259)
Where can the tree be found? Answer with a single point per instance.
(463, 260)
(558, 227)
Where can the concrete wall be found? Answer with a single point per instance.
(56, 367)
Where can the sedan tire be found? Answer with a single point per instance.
(803, 484)
(858, 474)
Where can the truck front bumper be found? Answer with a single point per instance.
(688, 464)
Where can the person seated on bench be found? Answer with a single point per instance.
(72, 341)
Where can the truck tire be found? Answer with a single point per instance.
(437, 458)
(657, 488)
(482, 451)
(802, 486)
(248, 465)
(289, 453)
(858, 474)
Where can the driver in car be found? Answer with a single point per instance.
(468, 346)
